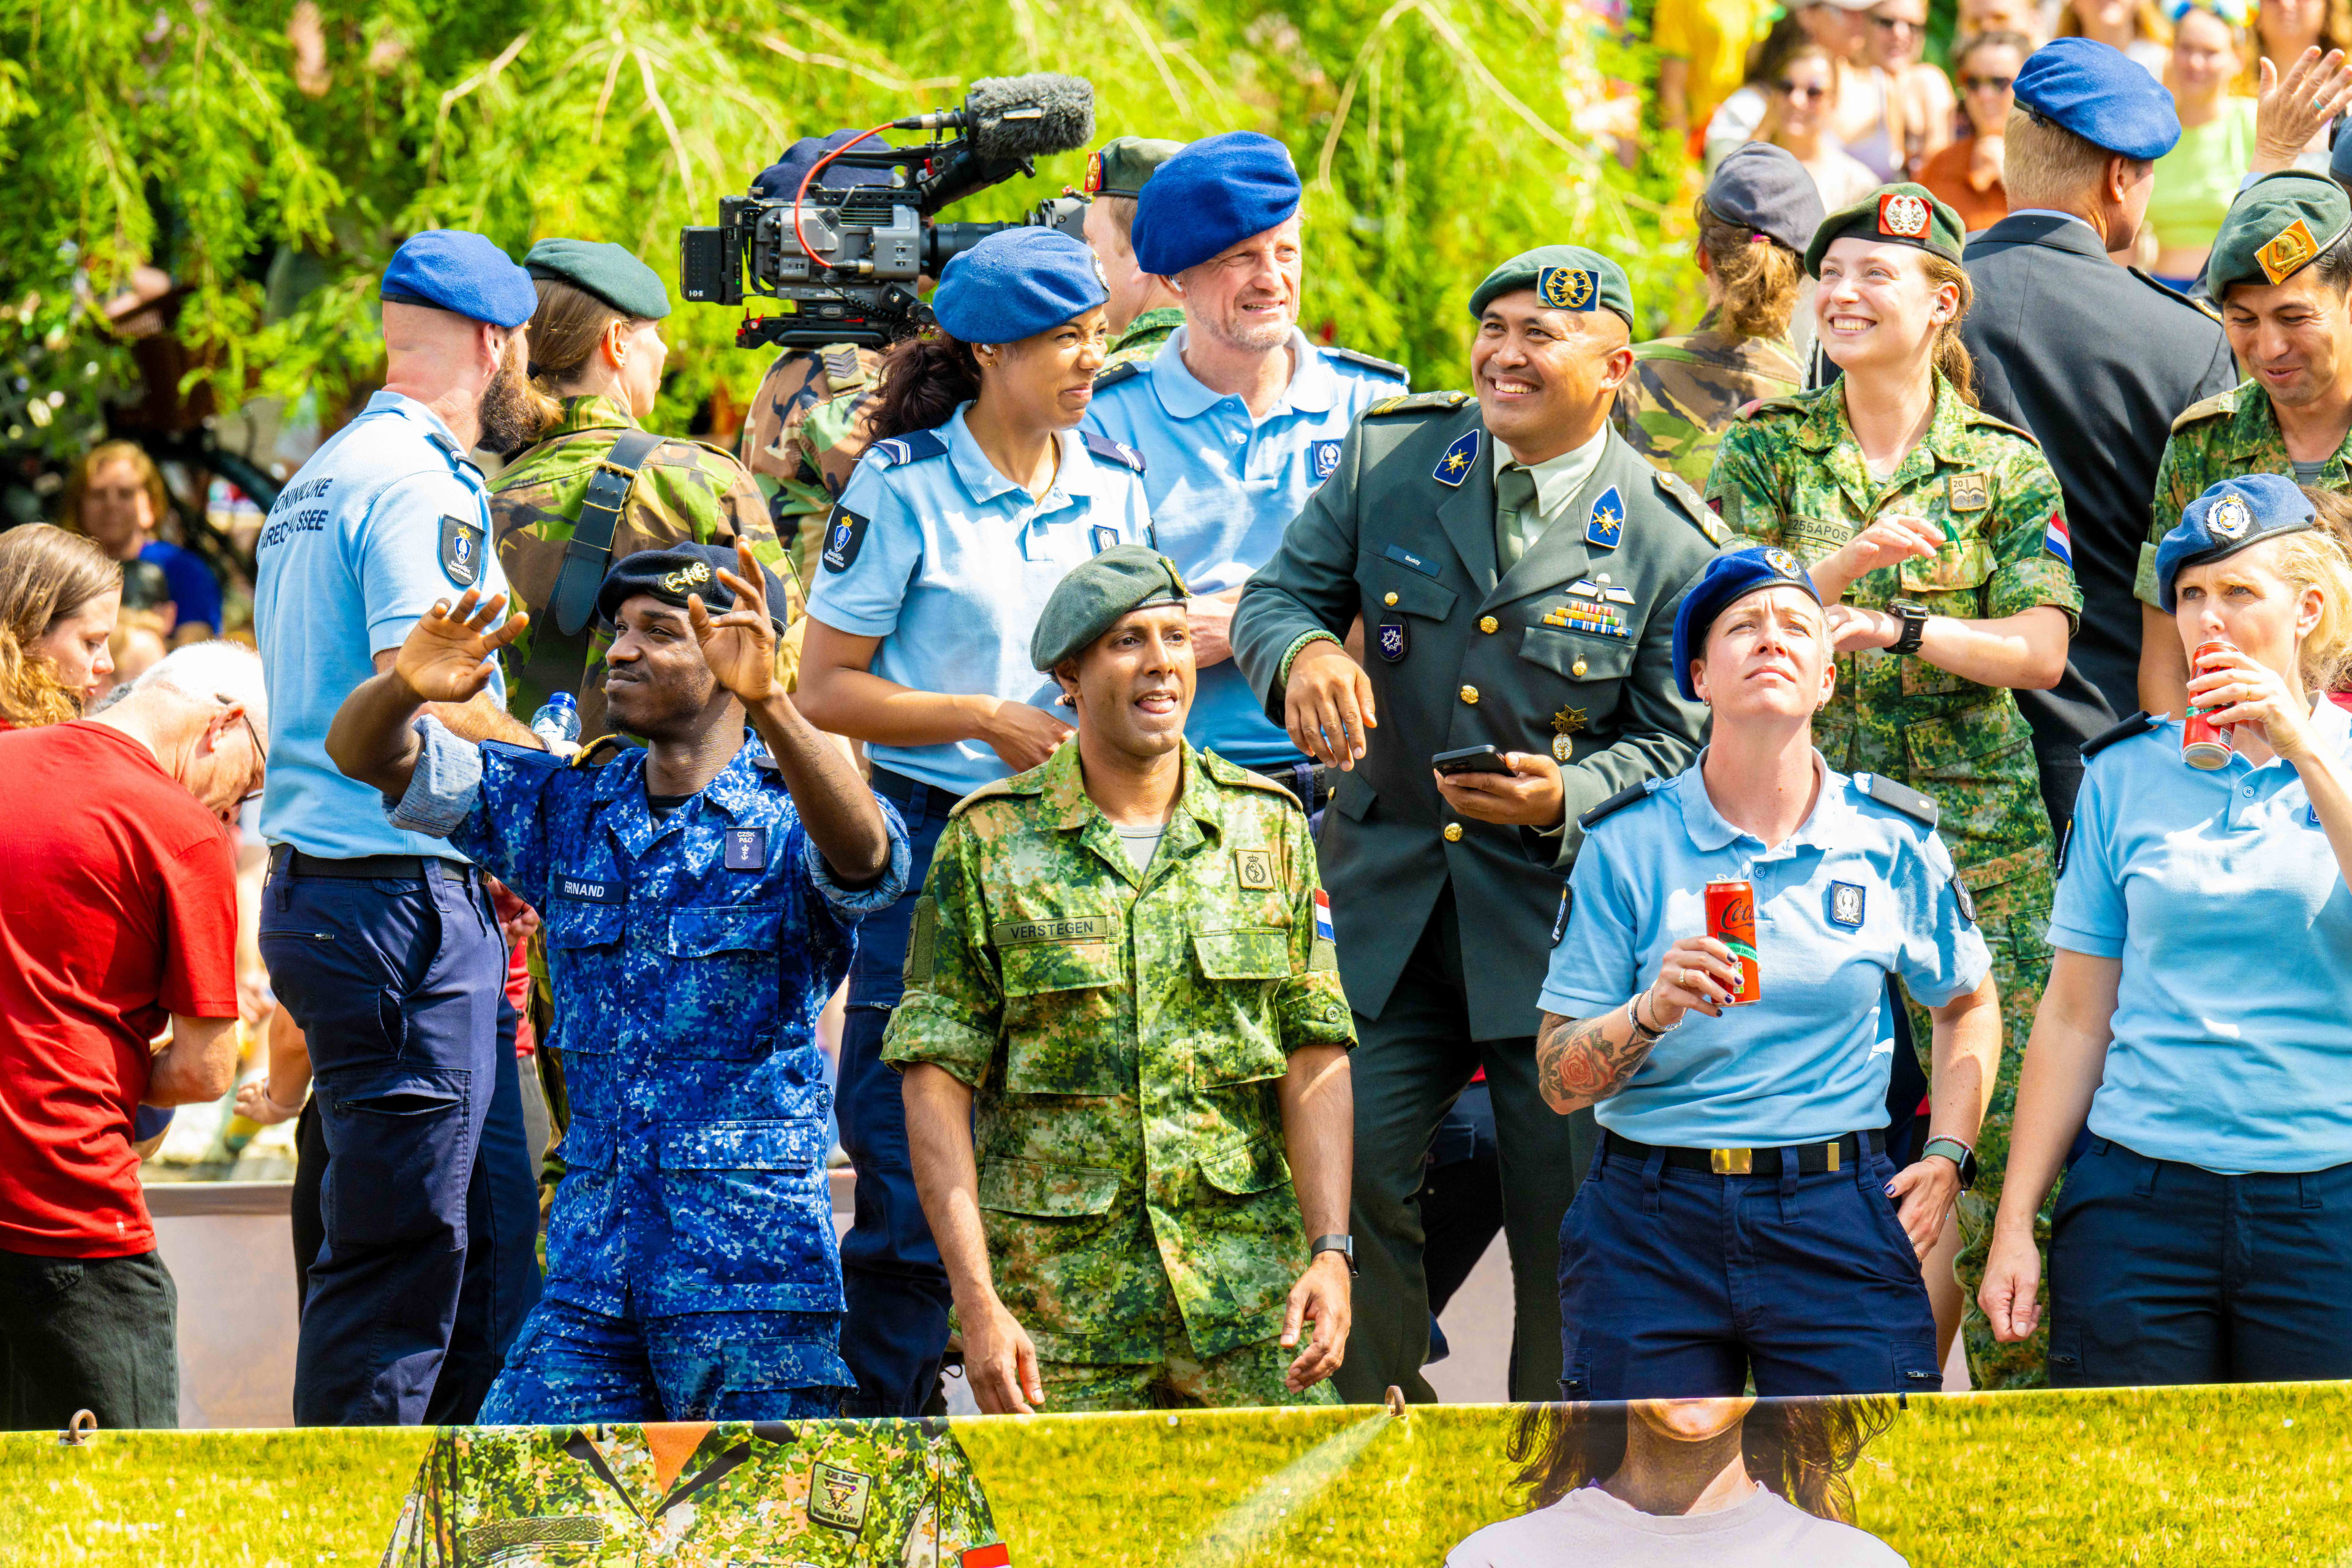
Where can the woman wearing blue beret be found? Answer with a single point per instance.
(1743, 1222)
(2191, 1067)
(978, 493)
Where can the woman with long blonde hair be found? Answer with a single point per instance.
(59, 595)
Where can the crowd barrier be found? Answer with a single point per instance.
(2253, 1475)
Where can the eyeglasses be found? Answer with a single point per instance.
(1979, 83)
(1794, 90)
(258, 750)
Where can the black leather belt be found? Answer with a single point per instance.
(286, 860)
(1813, 1159)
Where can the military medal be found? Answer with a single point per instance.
(1567, 723)
(1605, 524)
(1592, 606)
(1453, 466)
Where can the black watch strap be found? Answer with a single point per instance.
(1343, 1245)
(1914, 617)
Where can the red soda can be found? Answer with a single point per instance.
(1731, 921)
(2205, 744)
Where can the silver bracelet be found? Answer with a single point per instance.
(1633, 1016)
(289, 1111)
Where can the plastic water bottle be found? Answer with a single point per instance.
(557, 723)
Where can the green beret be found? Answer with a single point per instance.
(1122, 166)
(1906, 214)
(608, 271)
(2278, 225)
(1090, 600)
(1564, 276)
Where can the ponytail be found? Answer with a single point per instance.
(1951, 355)
(564, 332)
(1756, 276)
(922, 381)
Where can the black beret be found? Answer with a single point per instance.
(608, 271)
(671, 574)
(1089, 601)
(1766, 188)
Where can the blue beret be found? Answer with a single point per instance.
(1210, 197)
(1730, 576)
(456, 269)
(2339, 160)
(780, 179)
(2100, 94)
(1014, 284)
(2228, 517)
(671, 574)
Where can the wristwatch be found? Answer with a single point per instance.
(1959, 1153)
(1914, 617)
(1345, 1245)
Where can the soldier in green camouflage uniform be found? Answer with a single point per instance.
(1145, 335)
(1134, 1039)
(803, 434)
(1144, 313)
(807, 1494)
(1790, 472)
(684, 492)
(1685, 391)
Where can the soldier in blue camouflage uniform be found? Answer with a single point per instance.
(701, 898)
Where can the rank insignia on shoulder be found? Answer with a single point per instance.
(1846, 905)
(1254, 869)
(461, 551)
(838, 1497)
(1968, 492)
(845, 536)
(1454, 466)
(1605, 525)
(747, 848)
(1323, 458)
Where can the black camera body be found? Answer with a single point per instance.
(848, 259)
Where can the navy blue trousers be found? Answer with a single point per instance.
(896, 1330)
(2163, 1273)
(427, 1204)
(1680, 1284)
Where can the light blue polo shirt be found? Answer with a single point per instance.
(385, 518)
(1856, 893)
(1222, 487)
(2217, 891)
(950, 563)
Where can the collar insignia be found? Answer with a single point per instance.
(1454, 466)
(1606, 525)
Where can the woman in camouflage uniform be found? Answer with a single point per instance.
(1940, 527)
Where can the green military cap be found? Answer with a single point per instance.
(1120, 168)
(1906, 214)
(2278, 225)
(1090, 600)
(1564, 276)
(608, 271)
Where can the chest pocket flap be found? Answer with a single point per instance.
(575, 922)
(1259, 954)
(699, 933)
(1052, 1191)
(1956, 568)
(1560, 651)
(742, 1146)
(1415, 594)
(1035, 968)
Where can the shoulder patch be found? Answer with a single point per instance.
(912, 448)
(1125, 370)
(995, 789)
(2138, 724)
(1418, 403)
(603, 748)
(2218, 406)
(1624, 797)
(1898, 797)
(1386, 367)
(1111, 451)
(1234, 773)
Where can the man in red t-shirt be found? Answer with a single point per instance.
(118, 917)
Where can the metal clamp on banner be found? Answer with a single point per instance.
(1396, 1401)
(79, 1430)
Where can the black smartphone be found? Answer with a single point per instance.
(1470, 760)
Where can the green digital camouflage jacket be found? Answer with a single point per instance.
(685, 491)
(1791, 473)
(803, 435)
(807, 1494)
(2226, 437)
(1126, 1033)
(1685, 393)
(1145, 335)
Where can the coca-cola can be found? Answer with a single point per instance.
(2203, 744)
(1731, 921)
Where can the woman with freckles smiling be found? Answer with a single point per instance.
(1935, 535)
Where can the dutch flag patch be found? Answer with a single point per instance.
(2055, 539)
(1323, 916)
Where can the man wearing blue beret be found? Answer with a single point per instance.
(2092, 359)
(1238, 416)
(384, 945)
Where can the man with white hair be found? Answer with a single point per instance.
(382, 944)
(118, 921)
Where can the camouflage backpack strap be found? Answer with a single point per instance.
(590, 552)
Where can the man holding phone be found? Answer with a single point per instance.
(1516, 566)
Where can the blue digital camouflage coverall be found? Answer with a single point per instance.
(692, 1269)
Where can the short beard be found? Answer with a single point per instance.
(1237, 333)
(508, 411)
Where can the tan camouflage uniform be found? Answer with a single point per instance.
(803, 436)
(1791, 473)
(685, 491)
(1685, 393)
(1126, 1033)
(1145, 335)
(809, 1494)
(2226, 437)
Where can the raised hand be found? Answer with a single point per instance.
(446, 656)
(740, 645)
(1889, 542)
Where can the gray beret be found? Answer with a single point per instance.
(1089, 601)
